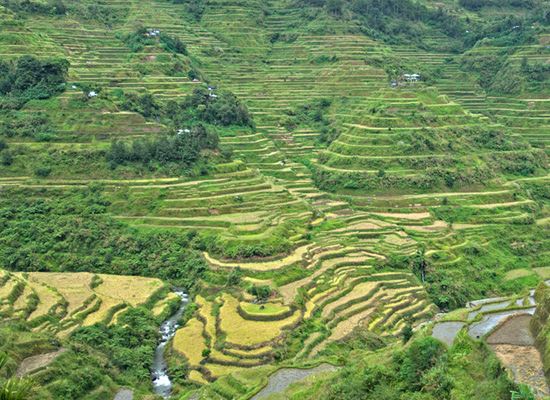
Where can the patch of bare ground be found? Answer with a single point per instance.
(124, 394)
(34, 363)
(513, 344)
(525, 364)
(514, 331)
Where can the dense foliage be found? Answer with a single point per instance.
(72, 232)
(95, 360)
(184, 148)
(220, 108)
(193, 122)
(29, 78)
(313, 115)
(136, 41)
(52, 7)
(36, 126)
(424, 370)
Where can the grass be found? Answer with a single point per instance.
(543, 272)
(271, 309)
(517, 273)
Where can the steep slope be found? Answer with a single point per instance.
(336, 189)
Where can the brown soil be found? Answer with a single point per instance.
(514, 331)
(525, 364)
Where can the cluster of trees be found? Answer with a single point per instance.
(29, 78)
(219, 108)
(313, 114)
(85, 238)
(192, 119)
(535, 72)
(504, 31)
(407, 21)
(52, 7)
(195, 8)
(6, 156)
(183, 148)
(96, 359)
(100, 11)
(394, 21)
(395, 67)
(130, 343)
(423, 370)
(214, 107)
(476, 5)
(142, 37)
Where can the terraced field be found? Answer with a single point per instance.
(358, 200)
(58, 303)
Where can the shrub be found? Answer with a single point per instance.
(43, 172)
(261, 292)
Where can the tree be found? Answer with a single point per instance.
(407, 333)
(419, 264)
(6, 158)
(335, 6)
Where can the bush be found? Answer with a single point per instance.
(262, 292)
(43, 172)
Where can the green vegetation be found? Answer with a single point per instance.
(87, 239)
(30, 78)
(142, 37)
(540, 325)
(424, 369)
(321, 176)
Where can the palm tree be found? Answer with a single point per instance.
(13, 388)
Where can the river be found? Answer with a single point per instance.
(162, 385)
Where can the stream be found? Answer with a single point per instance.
(162, 385)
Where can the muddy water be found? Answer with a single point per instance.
(491, 321)
(283, 378)
(162, 384)
(489, 307)
(447, 331)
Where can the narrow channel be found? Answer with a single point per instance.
(162, 385)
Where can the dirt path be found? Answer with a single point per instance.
(34, 363)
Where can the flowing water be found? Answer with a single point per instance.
(162, 384)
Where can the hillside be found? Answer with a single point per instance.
(321, 176)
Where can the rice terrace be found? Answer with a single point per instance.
(274, 199)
